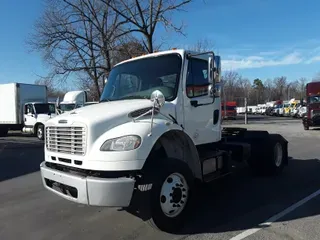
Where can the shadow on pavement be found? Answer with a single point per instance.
(252, 200)
(18, 159)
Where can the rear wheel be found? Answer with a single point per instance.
(268, 155)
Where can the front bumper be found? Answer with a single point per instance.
(107, 192)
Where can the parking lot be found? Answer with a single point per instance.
(240, 206)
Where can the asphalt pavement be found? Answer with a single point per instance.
(232, 208)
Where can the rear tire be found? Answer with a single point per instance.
(171, 195)
(268, 155)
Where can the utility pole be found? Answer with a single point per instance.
(245, 113)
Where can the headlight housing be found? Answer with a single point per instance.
(124, 143)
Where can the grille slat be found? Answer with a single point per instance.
(69, 140)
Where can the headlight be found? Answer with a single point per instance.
(124, 143)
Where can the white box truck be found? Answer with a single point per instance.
(24, 107)
(153, 137)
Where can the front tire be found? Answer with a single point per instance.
(40, 132)
(171, 195)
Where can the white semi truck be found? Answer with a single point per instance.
(155, 135)
(73, 100)
(24, 107)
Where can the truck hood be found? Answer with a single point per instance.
(101, 117)
(44, 117)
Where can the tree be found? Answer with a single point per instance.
(78, 37)
(145, 15)
(280, 86)
(52, 92)
(302, 85)
(202, 45)
(258, 90)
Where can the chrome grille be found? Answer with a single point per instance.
(69, 140)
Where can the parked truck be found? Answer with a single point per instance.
(73, 100)
(230, 111)
(153, 140)
(312, 116)
(24, 107)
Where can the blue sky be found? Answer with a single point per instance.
(258, 38)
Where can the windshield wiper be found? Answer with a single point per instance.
(132, 97)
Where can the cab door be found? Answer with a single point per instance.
(201, 112)
(30, 117)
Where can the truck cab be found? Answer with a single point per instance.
(73, 100)
(154, 136)
(230, 111)
(312, 117)
(35, 115)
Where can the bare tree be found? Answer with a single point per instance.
(77, 36)
(52, 91)
(202, 45)
(143, 17)
(280, 86)
(302, 85)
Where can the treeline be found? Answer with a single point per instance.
(237, 88)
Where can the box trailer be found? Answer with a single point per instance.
(24, 107)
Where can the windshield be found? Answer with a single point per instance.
(44, 108)
(286, 105)
(67, 106)
(314, 99)
(138, 79)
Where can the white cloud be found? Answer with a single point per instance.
(313, 60)
(268, 53)
(259, 61)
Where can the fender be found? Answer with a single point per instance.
(161, 131)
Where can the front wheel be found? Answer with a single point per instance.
(171, 195)
(40, 132)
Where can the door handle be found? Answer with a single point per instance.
(195, 103)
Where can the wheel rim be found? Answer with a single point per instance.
(174, 195)
(278, 154)
(39, 132)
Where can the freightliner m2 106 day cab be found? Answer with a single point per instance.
(154, 136)
(24, 107)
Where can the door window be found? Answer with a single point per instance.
(197, 78)
(28, 109)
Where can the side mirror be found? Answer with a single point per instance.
(217, 69)
(157, 97)
(211, 87)
(217, 90)
(211, 69)
(211, 90)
